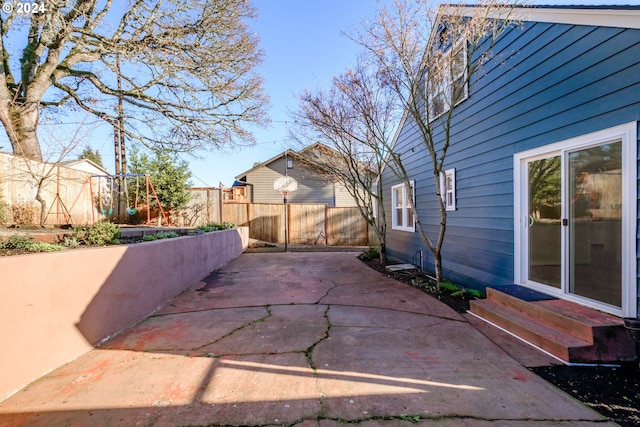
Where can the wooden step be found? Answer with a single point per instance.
(541, 314)
(552, 340)
(569, 331)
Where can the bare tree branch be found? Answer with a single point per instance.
(187, 69)
(355, 117)
(428, 56)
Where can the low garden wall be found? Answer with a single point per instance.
(57, 306)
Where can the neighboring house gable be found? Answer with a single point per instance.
(314, 184)
(566, 76)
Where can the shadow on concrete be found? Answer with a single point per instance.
(300, 338)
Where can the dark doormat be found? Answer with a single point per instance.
(525, 294)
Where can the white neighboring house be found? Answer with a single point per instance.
(84, 165)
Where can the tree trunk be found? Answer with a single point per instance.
(43, 205)
(437, 260)
(383, 254)
(21, 124)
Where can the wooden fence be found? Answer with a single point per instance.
(70, 196)
(307, 224)
(65, 192)
(203, 208)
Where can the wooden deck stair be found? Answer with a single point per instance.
(569, 331)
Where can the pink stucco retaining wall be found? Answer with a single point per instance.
(54, 307)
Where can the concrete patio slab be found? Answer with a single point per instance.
(182, 333)
(287, 329)
(306, 339)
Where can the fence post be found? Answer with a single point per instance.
(326, 225)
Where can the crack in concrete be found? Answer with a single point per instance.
(309, 355)
(309, 351)
(335, 285)
(233, 331)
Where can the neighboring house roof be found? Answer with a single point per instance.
(300, 155)
(285, 153)
(85, 165)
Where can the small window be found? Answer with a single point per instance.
(451, 87)
(402, 215)
(289, 163)
(448, 188)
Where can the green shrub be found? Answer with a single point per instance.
(457, 291)
(159, 235)
(369, 254)
(45, 247)
(70, 242)
(214, 226)
(16, 243)
(166, 234)
(448, 286)
(99, 234)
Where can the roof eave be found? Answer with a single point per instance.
(597, 16)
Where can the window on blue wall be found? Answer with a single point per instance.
(401, 214)
(447, 81)
(448, 189)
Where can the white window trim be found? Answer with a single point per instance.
(449, 203)
(446, 86)
(406, 209)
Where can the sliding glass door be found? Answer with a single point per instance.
(595, 222)
(575, 219)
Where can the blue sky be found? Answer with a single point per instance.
(304, 48)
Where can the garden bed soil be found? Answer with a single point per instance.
(612, 391)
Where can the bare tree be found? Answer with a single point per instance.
(38, 174)
(185, 70)
(355, 117)
(428, 56)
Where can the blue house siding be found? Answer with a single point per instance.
(545, 83)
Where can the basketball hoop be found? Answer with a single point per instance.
(285, 185)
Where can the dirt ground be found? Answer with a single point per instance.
(613, 391)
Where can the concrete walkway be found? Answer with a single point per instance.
(310, 339)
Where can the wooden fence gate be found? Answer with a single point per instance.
(307, 224)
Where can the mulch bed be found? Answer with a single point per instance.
(614, 392)
(459, 304)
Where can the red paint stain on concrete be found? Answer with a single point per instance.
(143, 339)
(517, 375)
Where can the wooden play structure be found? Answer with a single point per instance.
(109, 191)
